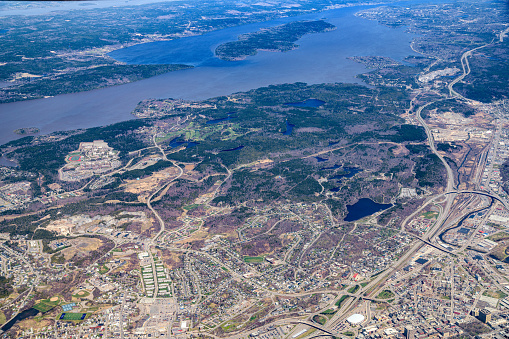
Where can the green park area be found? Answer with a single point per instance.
(499, 236)
(495, 294)
(47, 304)
(81, 294)
(320, 319)
(103, 269)
(191, 207)
(430, 215)
(253, 260)
(385, 294)
(353, 289)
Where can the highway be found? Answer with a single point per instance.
(466, 71)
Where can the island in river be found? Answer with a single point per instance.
(278, 39)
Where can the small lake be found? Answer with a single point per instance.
(349, 172)
(363, 208)
(217, 121)
(176, 143)
(320, 159)
(315, 103)
(23, 315)
(289, 128)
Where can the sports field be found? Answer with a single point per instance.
(253, 259)
(73, 316)
(46, 304)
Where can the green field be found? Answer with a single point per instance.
(495, 294)
(103, 269)
(320, 319)
(83, 294)
(250, 260)
(385, 294)
(430, 215)
(499, 236)
(46, 305)
(328, 311)
(190, 207)
(340, 301)
(353, 289)
(72, 316)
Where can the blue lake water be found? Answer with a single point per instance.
(350, 172)
(289, 128)
(363, 208)
(216, 121)
(213, 77)
(320, 159)
(315, 103)
(176, 143)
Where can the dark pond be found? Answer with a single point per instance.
(319, 159)
(349, 172)
(289, 128)
(363, 208)
(307, 103)
(23, 315)
(233, 149)
(176, 143)
(216, 121)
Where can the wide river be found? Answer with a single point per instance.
(320, 58)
